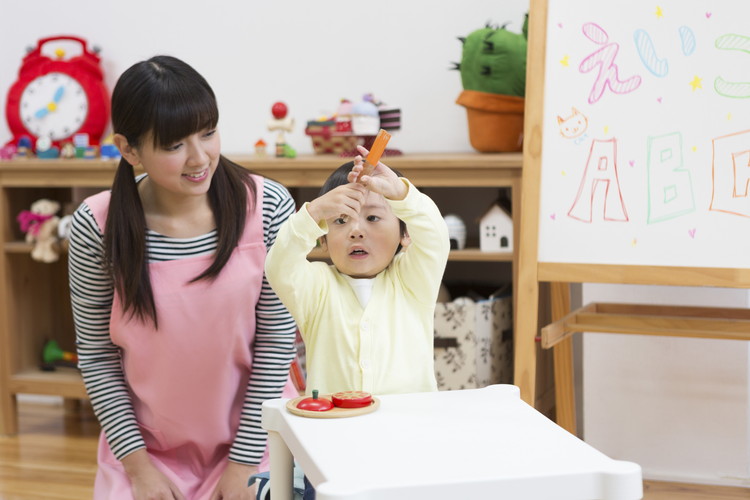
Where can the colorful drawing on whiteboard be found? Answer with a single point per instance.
(600, 180)
(739, 90)
(687, 40)
(731, 174)
(646, 51)
(670, 186)
(574, 125)
(604, 59)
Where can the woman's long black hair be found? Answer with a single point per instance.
(168, 99)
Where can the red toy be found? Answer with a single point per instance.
(315, 403)
(351, 399)
(58, 98)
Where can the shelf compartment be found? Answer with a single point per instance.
(65, 382)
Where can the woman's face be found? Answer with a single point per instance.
(185, 167)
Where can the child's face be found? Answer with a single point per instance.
(361, 247)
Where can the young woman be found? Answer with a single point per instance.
(180, 338)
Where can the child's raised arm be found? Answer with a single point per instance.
(342, 201)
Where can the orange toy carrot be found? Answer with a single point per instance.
(376, 151)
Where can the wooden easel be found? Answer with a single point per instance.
(701, 322)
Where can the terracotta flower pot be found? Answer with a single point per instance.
(495, 121)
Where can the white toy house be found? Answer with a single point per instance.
(496, 230)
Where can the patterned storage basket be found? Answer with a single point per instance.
(473, 343)
(325, 141)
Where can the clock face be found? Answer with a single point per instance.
(54, 105)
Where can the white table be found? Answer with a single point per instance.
(471, 444)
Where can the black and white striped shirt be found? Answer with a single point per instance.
(91, 291)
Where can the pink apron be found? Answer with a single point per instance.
(188, 378)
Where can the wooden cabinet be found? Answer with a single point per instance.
(34, 297)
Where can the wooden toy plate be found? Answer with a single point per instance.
(334, 412)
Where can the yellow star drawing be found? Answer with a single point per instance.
(695, 148)
(565, 61)
(606, 129)
(696, 83)
(659, 13)
(729, 116)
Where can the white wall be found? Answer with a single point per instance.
(678, 407)
(308, 54)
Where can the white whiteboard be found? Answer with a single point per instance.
(658, 173)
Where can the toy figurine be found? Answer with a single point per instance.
(281, 123)
(23, 150)
(67, 150)
(8, 152)
(260, 148)
(45, 148)
(40, 225)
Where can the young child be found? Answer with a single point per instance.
(367, 320)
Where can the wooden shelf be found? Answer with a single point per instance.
(24, 317)
(65, 382)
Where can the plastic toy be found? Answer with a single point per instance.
(56, 97)
(53, 355)
(45, 149)
(280, 123)
(493, 74)
(315, 403)
(260, 148)
(40, 225)
(456, 231)
(23, 147)
(356, 406)
(351, 399)
(376, 152)
(67, 150)
(8, 152)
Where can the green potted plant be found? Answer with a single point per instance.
(493, 75)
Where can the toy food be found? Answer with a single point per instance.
(352, 399)
(315, 403)
(376, 151)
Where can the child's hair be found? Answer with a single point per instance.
(339, 177)
(168, 99)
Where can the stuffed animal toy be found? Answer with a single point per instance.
(40, 225)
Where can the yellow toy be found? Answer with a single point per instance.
(40, 225)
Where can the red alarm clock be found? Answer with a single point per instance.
(57, 97)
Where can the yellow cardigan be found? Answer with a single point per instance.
(387, 347)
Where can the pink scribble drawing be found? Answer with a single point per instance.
(604, 59)
(600, 176)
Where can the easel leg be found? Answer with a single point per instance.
(563, 359)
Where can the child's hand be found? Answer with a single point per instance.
(383, 180)
(344, 200)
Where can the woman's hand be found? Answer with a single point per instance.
(146, 481)
(233, 483)
(383, 180)
(342, 201)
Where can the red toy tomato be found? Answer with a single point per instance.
(315, 403)
(279, 110)
(352, 399)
